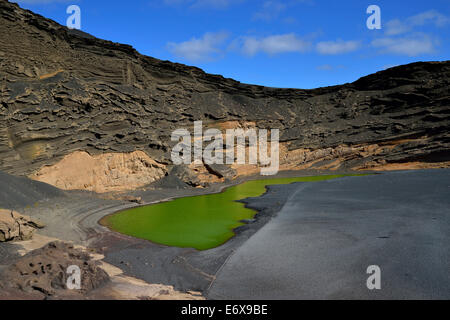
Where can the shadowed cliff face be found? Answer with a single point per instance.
(62, 92)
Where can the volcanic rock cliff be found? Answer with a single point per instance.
(65, 95)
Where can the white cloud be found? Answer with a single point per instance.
(337, 47)
(206, 48)
(412, 46)
(388, 66)
(325, 67)
(43, 1)
(275, 44)
(215, 4)
(402, 37)
(273, 9)
(270, 10)
(329, 67)
(433, 17)
(394, 27)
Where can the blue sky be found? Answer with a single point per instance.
(291, 43)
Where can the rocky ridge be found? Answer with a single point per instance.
(63, 92)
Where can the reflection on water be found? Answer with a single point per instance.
(200, 222)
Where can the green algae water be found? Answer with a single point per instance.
(200, 222)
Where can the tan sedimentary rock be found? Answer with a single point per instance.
(111, 172)
(363, 156)
(102, 173)
(380, 166)
(123, 287)
(14, 226)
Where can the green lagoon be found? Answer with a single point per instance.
(200, 222)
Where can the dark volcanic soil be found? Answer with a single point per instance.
(321, 243)
(19, 192)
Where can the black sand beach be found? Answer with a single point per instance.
(321, 237)
(321, 243)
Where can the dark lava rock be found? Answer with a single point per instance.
(43, 272)
(185, 174)
(221, 170)
(62, 91)
(170, 182)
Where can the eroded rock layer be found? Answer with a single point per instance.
(43, 274)
(102, 173)
(63, 92)
(14, 226)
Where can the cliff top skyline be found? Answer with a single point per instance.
(292, 44)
